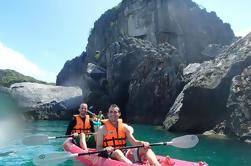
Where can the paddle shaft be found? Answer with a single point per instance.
(152, 144)
(127, 147)
(90, 113)
(91, 107)
(64, 136)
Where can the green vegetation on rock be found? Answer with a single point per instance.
(8, 77)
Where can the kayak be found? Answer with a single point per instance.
(95, 160)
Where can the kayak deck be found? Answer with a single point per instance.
(95, 160)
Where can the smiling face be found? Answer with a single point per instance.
(83, 110)
(114, 113)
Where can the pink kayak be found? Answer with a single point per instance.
(95, 160)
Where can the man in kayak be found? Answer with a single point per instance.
(81, 123)
(114, 134)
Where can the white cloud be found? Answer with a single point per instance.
(11, 59)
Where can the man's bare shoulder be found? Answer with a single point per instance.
(125, 125)
(102, 130)
(128, 128)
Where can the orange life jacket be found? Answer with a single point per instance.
(115, 137)
(82, 127)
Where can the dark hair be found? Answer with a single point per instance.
(113, 106)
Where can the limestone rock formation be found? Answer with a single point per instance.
(239, 105)
(202, 103)
(181, 23)
(71, 74)
(154, 86)
(152, 41)
(213, 50)
(40, 101)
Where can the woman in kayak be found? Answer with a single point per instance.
(114, 134)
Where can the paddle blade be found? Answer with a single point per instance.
(52, 158)
(7, 153)
(187, 141)
(35, 140)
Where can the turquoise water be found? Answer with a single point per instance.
(215, 152)
(7, 105)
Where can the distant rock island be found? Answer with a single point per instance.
(8, 77)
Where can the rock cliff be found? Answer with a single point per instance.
(120, 35)
(205, 101)
(166, 60)
(181, 23)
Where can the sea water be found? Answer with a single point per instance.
(215, 151)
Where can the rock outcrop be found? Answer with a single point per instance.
(149, 57)
(213, 50)
(134, 70)
(157, 21)
(239, 105)
(40, 101)
(154, 85)
(202, 103)
(72, 72)
(179, 22)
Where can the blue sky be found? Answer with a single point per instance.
(38, 36)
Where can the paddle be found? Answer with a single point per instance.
(7, 153)
(43, 139)
(90, 111)
(187, 141)
(40, 139)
